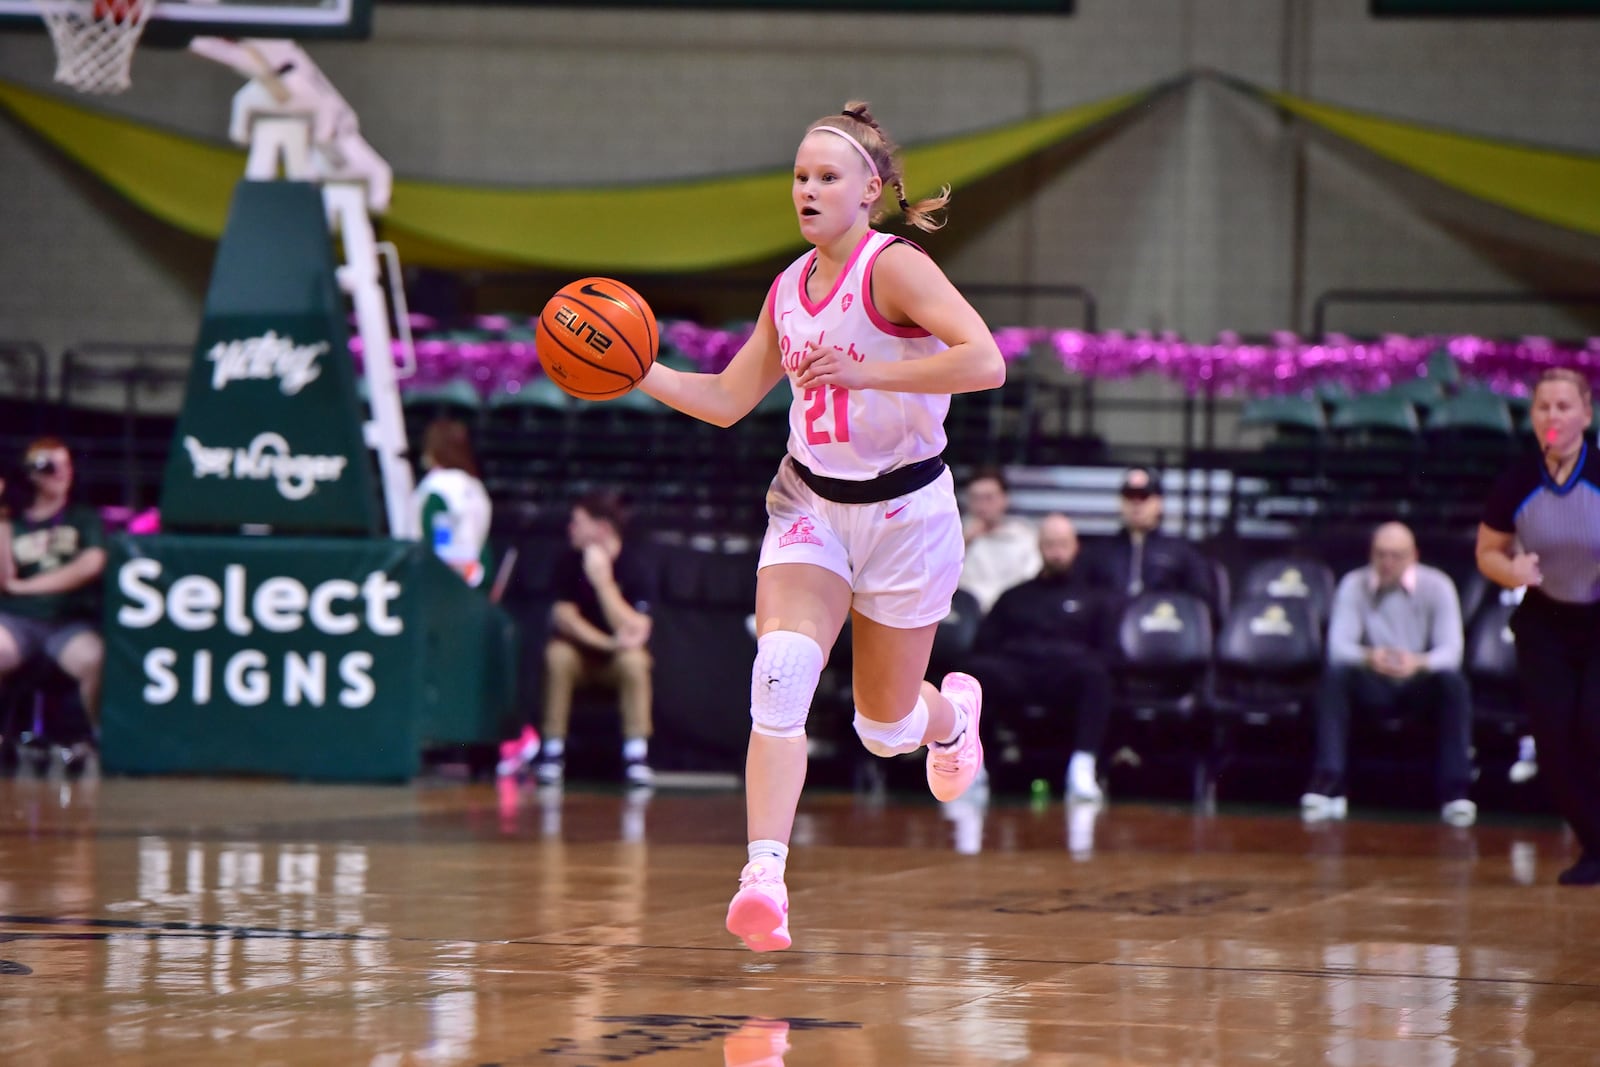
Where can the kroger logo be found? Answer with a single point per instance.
(266, 457)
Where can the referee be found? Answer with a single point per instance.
(1541, 529)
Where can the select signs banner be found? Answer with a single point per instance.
(270, 432)
(314, 657)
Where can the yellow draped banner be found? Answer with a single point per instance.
(1554, 186)
(671, 226)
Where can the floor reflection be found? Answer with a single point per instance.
(758, 1043)
(146, 921)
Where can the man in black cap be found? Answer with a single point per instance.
(1142, 559)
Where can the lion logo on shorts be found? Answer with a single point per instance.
(801, 533)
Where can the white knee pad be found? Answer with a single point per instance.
(782, 683)
(894, 738)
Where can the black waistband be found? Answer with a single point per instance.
(1539, 601)
(898, 482)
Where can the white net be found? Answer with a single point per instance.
(95, 40)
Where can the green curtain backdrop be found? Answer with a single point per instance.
(1553, 186)
(673, 226)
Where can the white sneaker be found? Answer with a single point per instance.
(1082, 785)
(1524, 770)
(550, 770)
(1461, 812)
(1314, 806)
(638, 772)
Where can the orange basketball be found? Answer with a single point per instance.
(597, 338)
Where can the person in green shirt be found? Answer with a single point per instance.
(52, 553)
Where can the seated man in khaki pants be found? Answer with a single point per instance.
(601, 634)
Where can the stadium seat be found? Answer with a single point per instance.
(1296, 417)
(1283, 578)
(953, 639)
(537, 393)
(1264, 677)
(1473, 590)
(454, 397)
(1163, 651)
(1472, 412)
(1268, 659)
(1490, 662)
(1387, 414)
(1163, 643)
(1422, 393)
(524, 448)
(1444, 370)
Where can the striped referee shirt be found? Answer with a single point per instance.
(1559, 521)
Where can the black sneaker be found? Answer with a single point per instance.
(1585, 872)
(550, 771)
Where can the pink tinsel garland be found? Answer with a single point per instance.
(1285, 363)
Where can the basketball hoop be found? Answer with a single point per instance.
(95, 40)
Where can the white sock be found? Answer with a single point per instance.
(554, 747)
(769, 850)
(958, 727)
(635, 748)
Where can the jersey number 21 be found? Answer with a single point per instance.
(817, 402)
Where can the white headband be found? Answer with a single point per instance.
(873, 167)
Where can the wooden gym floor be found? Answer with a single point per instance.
(179, 922)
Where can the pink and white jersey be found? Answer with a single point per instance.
(854, 434)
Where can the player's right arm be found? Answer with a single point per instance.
(724, 398)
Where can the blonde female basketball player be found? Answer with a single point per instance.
(862, 514)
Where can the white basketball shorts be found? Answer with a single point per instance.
(902, 557)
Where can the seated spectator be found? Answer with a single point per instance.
(451, 502)
(1002, 550)
(1143, 559)
(1394, 642)
(51, 557)
(601, 624)
(1043, 643)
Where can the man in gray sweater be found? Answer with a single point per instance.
(1394, 641)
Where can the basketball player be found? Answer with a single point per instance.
(1541, 529)
(862, 516)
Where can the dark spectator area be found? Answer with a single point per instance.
(1279, 494)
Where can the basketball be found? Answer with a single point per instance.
(596, 338)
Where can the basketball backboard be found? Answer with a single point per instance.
(174, 22)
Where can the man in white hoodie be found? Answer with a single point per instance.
(1002, 549)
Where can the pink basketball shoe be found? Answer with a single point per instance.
(517, 753)
(758, 915)
(758, 1043)
(952, 767)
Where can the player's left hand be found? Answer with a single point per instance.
(829, 366)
